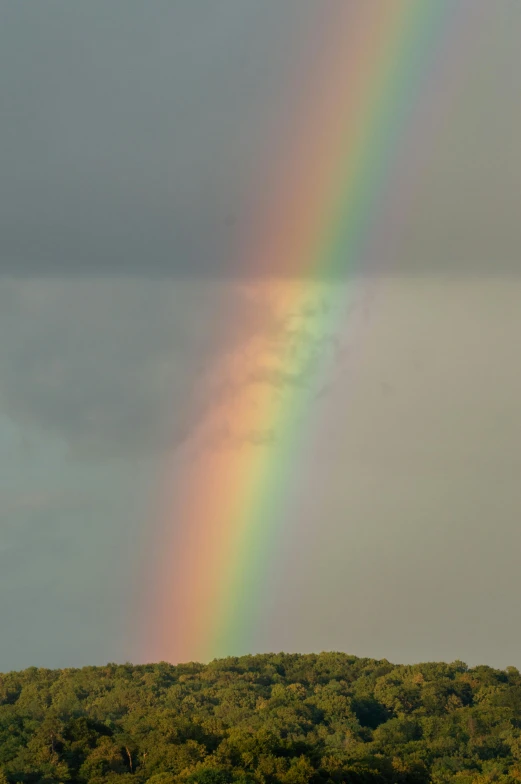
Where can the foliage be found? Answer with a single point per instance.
(267, 719)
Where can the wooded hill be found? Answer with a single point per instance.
(271, 719)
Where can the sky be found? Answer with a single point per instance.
(136, 145)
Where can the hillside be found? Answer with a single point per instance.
(288, 719)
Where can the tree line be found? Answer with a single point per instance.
(267, 719)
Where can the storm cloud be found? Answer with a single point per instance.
(135, 140)
(113, 366)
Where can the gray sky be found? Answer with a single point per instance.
(132, 144)
(131, 136)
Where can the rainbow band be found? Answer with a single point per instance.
(232, 500)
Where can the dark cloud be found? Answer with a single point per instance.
(132, 367)
(119, 367)
(135, 140)
(130, 135)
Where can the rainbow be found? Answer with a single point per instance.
(225, 493)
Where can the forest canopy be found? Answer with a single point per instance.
(265, 719)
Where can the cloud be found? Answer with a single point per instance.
(119, 366)
(134, 367)
(286, 365)
(145, 142)
(131, 137)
